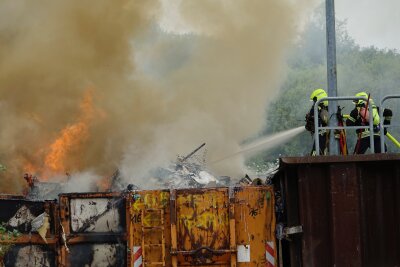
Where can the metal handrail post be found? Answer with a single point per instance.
(371, 127)
(316, 130)
(338, 98)
(381, 126)
(316, 127)
(331, 70)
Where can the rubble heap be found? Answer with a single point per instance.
(188, 171)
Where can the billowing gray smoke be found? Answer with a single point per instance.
(100, 85)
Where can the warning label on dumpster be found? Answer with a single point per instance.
(243, 253)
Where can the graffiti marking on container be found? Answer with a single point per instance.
(138, 205)
(253, 212)
(205, 221)
(151, 220)
(94, 215)
(136, 218)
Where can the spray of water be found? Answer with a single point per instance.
(265, 143)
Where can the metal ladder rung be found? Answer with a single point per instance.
(153, 210)
(153, 227)
(154, 245)
(160, 229)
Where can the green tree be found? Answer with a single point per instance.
(376, 71)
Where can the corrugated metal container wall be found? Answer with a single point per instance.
(27, 248)
(202, 227)
(349, 208)
(95, 228)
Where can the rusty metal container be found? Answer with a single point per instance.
(32, 255)
(188, 227)
(349, 208)
(149, 231)
(255, 226)
(202, 227)
(94, 225)
(20, 244)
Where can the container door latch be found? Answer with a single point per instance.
(283, 232)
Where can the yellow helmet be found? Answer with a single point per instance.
(318, 94)
(361, 101)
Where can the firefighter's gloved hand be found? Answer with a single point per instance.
(387, 115)
(309, 123)
(387, 112)
(337, 133)
(355, 114)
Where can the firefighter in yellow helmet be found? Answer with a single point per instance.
(323, 117)
(359, 116)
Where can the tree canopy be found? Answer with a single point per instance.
(373, 70)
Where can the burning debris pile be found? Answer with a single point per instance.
(186, 174)
(188, 171)
(38, 189)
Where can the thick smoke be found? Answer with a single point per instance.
(156, 92)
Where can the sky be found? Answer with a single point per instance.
(371, 22)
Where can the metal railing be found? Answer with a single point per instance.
(381, 125)
(338, 98)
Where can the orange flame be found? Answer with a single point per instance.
(70, 139)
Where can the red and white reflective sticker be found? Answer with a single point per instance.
(137, 256)
(270, 253)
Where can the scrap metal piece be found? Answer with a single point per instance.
(192, 153)
(245, 181)
(41, 224)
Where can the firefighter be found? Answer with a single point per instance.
(359, 116)
(323, 117)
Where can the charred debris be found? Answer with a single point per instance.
(188, 171)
